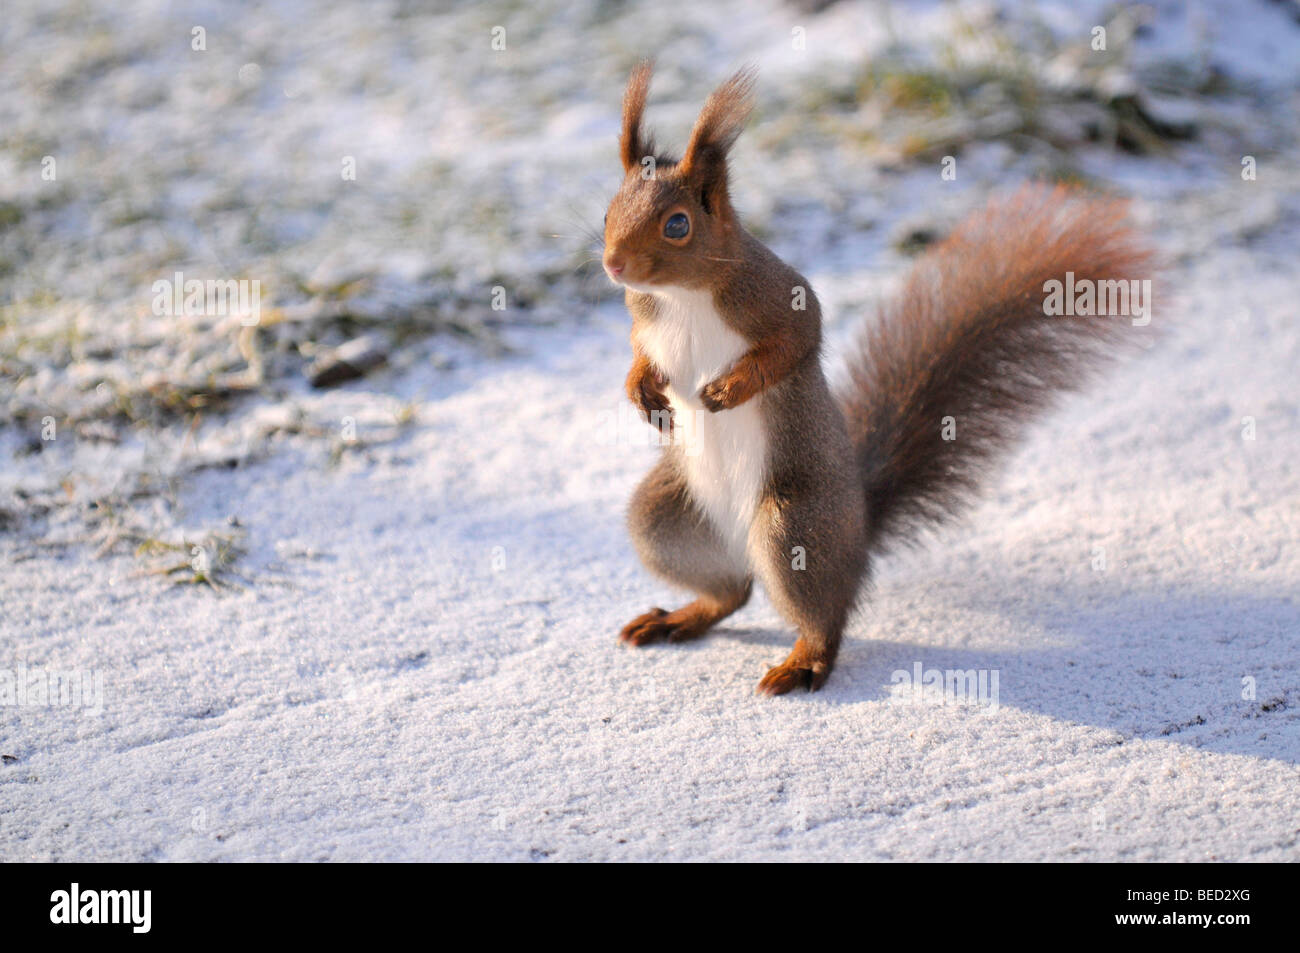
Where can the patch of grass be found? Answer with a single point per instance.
(126, 519)
(11, 213)
(924, 90)
(208, 560)
(982, 85)
(343, 444)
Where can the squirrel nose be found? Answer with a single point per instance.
(614, 266)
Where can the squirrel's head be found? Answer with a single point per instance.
(671, 222)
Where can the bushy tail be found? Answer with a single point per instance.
(970, 339)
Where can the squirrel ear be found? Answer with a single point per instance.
(634, 144)
(721, 121)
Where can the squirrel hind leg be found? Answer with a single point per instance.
(678, 544)
(811, 567)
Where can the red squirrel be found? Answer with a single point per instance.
(779, 477)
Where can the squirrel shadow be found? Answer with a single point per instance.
(1213, 671)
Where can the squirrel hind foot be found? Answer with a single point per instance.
(804, 667)
(689, 622)
(658, 625)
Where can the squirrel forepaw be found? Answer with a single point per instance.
(648, 395)
(730, 390)
(716, 396)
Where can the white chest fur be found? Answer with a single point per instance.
(725, 452)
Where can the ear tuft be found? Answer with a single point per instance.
(721, 120)
(634, 144)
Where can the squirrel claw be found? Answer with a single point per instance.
(680, 626)
(646, 628)
(715, 397)
(645, 387)
(656, 409)
(659, 416)
(731, 389)
(789, 675)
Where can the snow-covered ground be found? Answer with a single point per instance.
(420, 659)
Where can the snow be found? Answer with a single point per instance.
(438, 677)
(422, 663)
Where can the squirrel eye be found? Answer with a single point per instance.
(677, 226)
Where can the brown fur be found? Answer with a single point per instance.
(645, 388)
(633, 144)
(967, 338)
(680, 625)
(844, 474)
